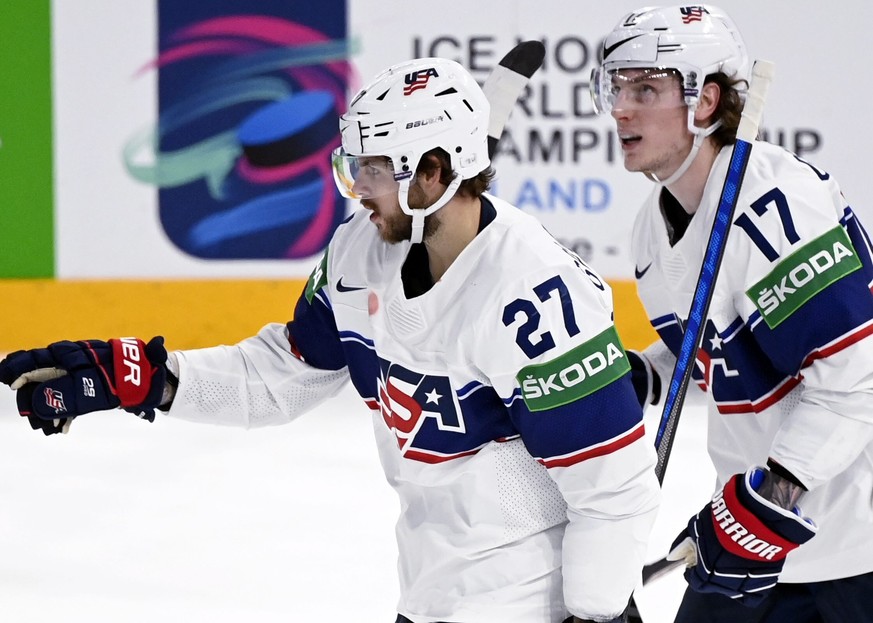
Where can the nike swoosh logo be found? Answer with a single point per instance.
(638, 273)
(612, 48)
(341, 287)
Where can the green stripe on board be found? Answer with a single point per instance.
(26, 183)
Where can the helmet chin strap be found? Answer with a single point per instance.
(700, 135)
(418, 214)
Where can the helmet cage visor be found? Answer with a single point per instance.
(365, 177)
(637, 88)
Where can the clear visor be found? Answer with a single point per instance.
(364, 177)
(636, 89)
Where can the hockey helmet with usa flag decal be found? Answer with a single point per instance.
(406, 111)
(696, 41)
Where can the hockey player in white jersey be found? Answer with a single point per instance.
(505, 416)
(786, 358)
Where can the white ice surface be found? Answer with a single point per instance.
(126, 521)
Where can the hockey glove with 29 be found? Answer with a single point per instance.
(737, 544)
(68, 379)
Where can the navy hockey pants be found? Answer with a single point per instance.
(847, 600)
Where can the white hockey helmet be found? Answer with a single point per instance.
(694, 41)
(406, 111)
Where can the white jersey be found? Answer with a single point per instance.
(786, 356)
(503, 409)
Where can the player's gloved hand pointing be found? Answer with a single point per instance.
(67, 379)
(737, 544)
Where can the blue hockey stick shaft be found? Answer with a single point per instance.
(762, 75)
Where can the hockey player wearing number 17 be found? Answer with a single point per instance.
(501, 398)
(786, 357)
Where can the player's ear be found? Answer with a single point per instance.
(429, 172)
(707, 103)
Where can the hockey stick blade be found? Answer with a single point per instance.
(525, 58)
(762, 75)
(507, 82)
(651, 572)
(659, 568)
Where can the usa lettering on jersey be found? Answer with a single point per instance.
(408, 400)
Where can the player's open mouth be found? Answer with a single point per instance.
(629, 139)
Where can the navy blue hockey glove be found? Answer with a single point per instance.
(737, 544)
(646, 382)
(68, 379)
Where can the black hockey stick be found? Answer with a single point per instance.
(762, 75)
(651, 572)
(659, 568)
(506, 83)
